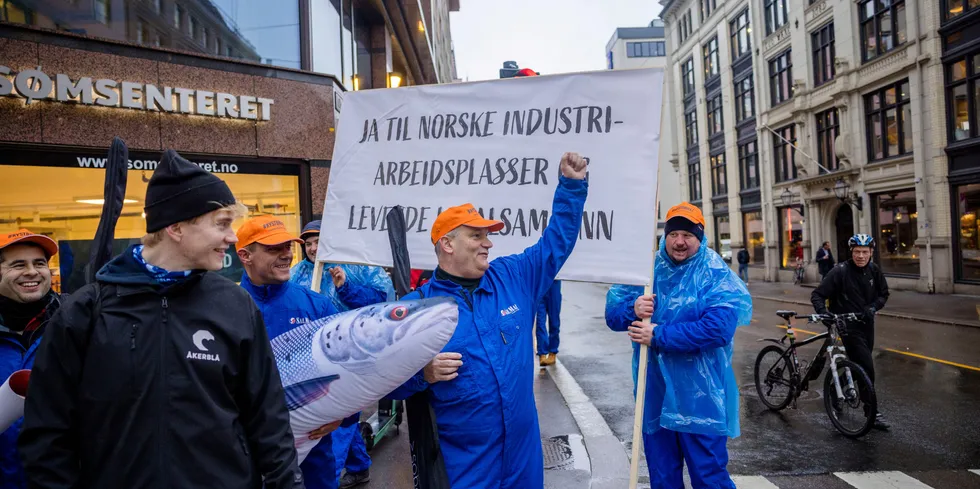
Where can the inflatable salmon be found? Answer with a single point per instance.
(334, 367)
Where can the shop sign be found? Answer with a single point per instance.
(34, 84)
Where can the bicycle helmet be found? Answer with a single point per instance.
(861, 240)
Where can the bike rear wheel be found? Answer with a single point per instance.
(853, 414)
(774, 378)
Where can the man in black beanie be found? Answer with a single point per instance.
(160, 375)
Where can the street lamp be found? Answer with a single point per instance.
(394, 80)
(842, 191)
(786, 197)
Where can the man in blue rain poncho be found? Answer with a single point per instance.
(481, 386)
(691, 404)
(348, 287)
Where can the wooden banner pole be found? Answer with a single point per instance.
(317, 276)
(641, 389)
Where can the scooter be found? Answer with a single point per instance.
(387, 418)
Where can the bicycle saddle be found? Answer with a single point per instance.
(785, 314)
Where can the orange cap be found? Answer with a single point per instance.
(461, 215)
(267, 230)
(687, 211)
(24, 236)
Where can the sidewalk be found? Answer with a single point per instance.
(959, 310)
(567, 462)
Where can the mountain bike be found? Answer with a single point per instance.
(780, 377)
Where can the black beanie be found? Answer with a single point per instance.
(679, 223)
(180, 190)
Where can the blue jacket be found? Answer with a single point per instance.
(487, 419)
(365, 285)
(699, 302)
(14, 357)
(284, 307)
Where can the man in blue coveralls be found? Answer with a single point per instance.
(549, 311)
(348, 287)
(265, 249)
(691, 404)
(480, 387)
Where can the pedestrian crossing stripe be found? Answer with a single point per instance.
(752, 482)
(976, 472)
(881, 480)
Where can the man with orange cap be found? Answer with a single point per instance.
(265, 249)
(481, 386)
(26, 304)
(691, 404)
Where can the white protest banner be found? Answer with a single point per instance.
(497, 144)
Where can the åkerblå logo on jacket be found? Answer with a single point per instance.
(199, 338)
(510, 310)
(299, 320)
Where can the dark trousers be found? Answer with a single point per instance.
(859, 346)
(549, 310)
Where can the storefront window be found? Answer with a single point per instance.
(755, 240)
(896, 232)
(967, 207)
(253, 30)
(723, 237)
(65, 204)
(790, 236)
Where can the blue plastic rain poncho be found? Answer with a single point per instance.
(365, 285)
(691, 386)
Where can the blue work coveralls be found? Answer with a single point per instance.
(365, 285)
(13, 357)
(285, 307)
(691, 405)
(487, 419)
(549, 309)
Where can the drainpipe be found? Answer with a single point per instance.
(922, 183)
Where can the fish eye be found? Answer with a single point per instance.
(399, 313)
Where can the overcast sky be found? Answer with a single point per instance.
(548, 36)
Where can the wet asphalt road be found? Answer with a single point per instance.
(933, 407)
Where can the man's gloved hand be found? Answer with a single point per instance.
(869, 313)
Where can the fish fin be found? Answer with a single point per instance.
(308, 391)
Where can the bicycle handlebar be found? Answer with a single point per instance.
(817, 318)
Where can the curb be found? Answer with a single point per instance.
(607, 457)
(913, 317)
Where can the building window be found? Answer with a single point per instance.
(102, 11)
(889, 121)
(158, 6)
(687, 74)
(204, 38)
(828, 128)
(193, 28)
(723, 237)
(685, 27)
(694, 178)
(790, 236)
(710, 51)
(956, 8)
(691, 123)
(781, 78)
(777, 14)
(784, 153)
(967, 207)
(755, 241)
(178, 17)
(715, 122)
(707, 7)
(823, 55)
(646, 49)
(13, 13)
(719, 177)
(744, 99)
(882, 27)
(609, 60)
(897, 230)
(963, 94)
(142, 35)
(741, 35)
(748, 165)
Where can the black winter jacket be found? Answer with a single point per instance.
(852, 289)
(170, 387)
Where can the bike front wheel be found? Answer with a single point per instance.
(774, 378)
(853, 412)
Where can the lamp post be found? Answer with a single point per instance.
(842, 190)
(786, 197)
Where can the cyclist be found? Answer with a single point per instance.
(854, 286)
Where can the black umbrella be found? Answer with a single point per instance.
(423, 434)
(115, 191)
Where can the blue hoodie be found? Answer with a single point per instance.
(284, 307)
